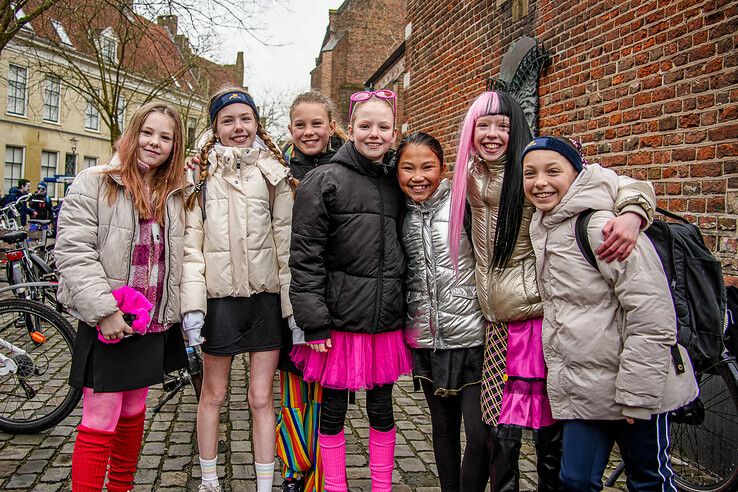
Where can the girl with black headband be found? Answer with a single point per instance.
(608, 331)
(236, 278)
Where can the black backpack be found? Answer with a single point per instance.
(731, 321)
(696, 281)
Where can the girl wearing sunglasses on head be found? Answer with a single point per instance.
(347, 295)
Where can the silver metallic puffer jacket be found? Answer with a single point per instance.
(511, 293)
(442, 310)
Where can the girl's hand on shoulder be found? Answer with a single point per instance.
(192, 164)
(114, 327)
(322, 346)
(621, 234)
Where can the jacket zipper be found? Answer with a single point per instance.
(167, 248)
(133, 240)
(381, 257)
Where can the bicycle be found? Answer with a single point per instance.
(177, 381)
(704, 434)
(35, 348)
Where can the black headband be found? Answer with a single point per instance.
(232, 97)
(550, 143)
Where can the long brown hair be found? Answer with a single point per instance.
(208, 146)
(167, 178)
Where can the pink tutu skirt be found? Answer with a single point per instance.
(524, 399)
(355, 360)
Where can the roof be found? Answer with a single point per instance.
(149, 49)
(391, 60)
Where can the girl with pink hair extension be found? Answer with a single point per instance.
(488, 180)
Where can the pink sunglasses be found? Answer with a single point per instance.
(362, 96)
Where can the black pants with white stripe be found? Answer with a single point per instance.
(644, 447)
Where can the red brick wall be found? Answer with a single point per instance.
(371, 30)
(649, 86)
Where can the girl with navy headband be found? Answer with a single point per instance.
(236, 278)
(608, 331)
(488, 175)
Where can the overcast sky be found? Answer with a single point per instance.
(296, 30)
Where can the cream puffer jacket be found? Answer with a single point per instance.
(607, 332)
(511, 293)
(94, 245)
(242, 247)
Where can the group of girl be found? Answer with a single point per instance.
(374, 266)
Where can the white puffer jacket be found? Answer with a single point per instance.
(607, 332)
(242, 247)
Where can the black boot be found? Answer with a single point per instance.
(504, 450)
(294, 485)
(549, 449)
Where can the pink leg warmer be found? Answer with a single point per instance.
(382, 458)
(90, 459)
(333, 454)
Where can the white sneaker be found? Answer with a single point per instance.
(206, 487)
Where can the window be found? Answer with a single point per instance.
(61, 32)
(52, 99)
(13, 166)
(108, 49)
(121, 112)
(90, 161)
(49, 161)
(92, 117)
(17, 82)
(191, 132)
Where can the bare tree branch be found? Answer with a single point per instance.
(15, 15)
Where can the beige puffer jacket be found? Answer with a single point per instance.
(241, 248)
(511, 293)
(607, 334)
(95, 242)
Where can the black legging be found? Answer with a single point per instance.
(378, 408)
(446, 415)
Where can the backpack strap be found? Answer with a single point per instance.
(580, 232)
(672, 215)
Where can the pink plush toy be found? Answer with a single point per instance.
(132, 302)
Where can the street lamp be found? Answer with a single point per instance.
(70, 169)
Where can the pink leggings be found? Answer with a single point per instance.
(101, 411)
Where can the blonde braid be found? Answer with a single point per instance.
(262, 134)
(204, 173)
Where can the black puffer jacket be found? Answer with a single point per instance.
(346, 259)
(301, 164)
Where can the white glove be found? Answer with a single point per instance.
(298, 336)
(192, 324)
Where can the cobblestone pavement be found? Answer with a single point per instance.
(169, 458)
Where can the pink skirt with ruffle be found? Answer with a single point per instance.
(524, 398)
(355, 360)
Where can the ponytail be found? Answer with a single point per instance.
(204, 174)
(262, 134)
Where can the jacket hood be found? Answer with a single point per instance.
(432, 203)
(350, 157)
(595, 188)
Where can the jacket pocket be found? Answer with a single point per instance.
(464, 291)
(334, 289)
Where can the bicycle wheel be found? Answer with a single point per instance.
(704, 434)
(35, 357)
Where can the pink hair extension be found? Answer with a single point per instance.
(487, 103)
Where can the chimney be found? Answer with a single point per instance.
(238, 68)
(168, 22)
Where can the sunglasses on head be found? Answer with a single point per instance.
(362, 96)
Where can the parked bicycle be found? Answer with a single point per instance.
(35, 348)
(704, 434)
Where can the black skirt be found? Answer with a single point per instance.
(449, 370)
(138, 361)
(237, 325)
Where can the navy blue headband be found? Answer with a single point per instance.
(549, 143)
(232, 97)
